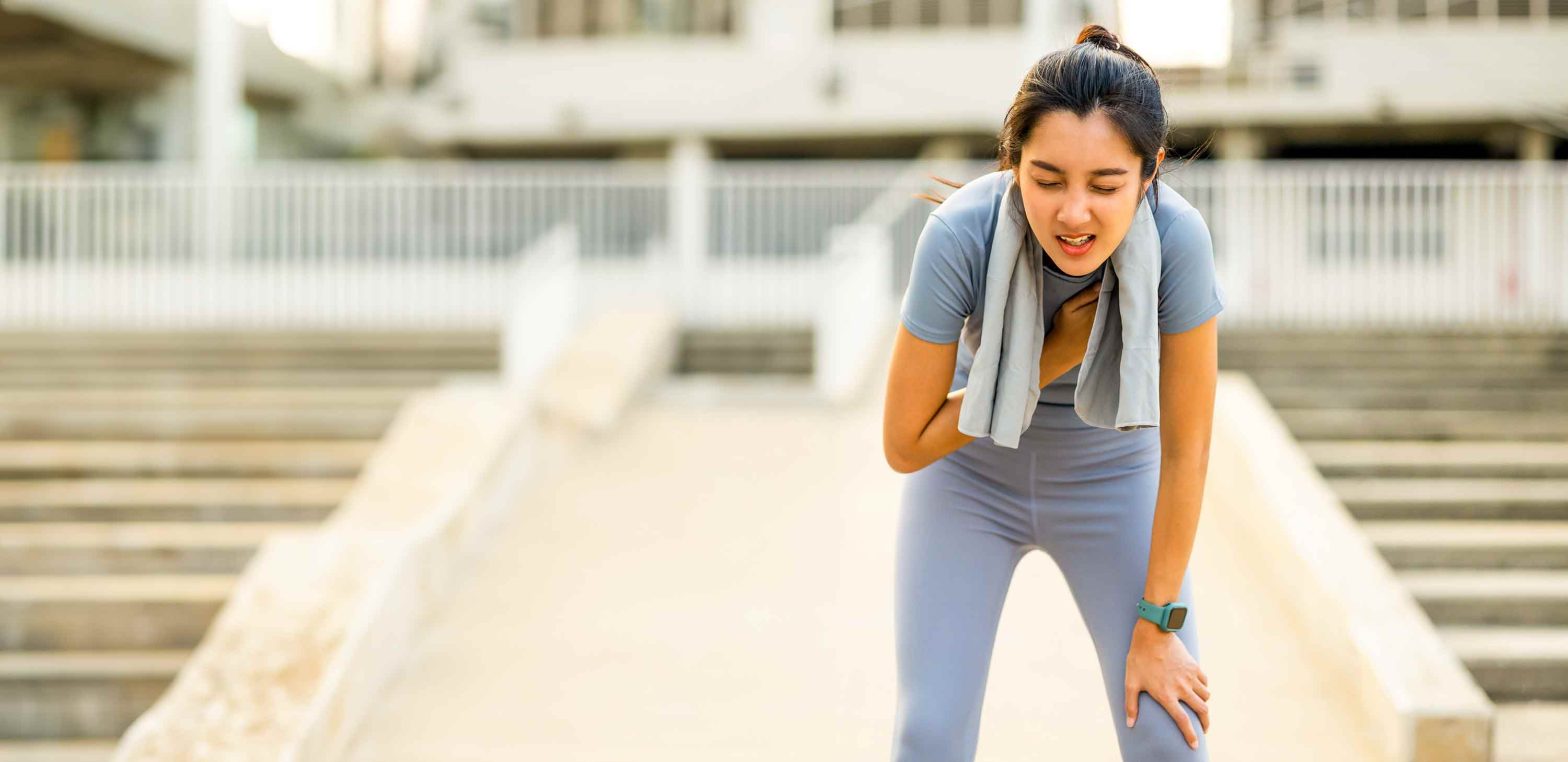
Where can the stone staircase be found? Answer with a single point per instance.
(138, 475)
(1452, 453)
(760, 351)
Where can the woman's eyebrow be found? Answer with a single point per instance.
(1053, 168)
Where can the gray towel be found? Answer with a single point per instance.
(1119, 380)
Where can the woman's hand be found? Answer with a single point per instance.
(1068, 339)
(1158, 663)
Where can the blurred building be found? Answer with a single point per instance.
(116, 79)
(826, 78)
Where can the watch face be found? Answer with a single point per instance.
(1177, 617)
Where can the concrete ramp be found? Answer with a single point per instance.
(712, 580)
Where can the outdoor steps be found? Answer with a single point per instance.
(1513, 597)
(745, 351)
(1514, 663)
(189, 458)
(1353, 423)
(88, 612)
(63, 548)
(80, 694)
(171, 499)
(1287, 342)
(140, 472)
(1451, 543)
(177, 378)
(1387, 497)
(1511, 359)
(174, 422)
(1485, 396)
(1378, 377)
(81, 750)
(1496, 460)
(1451, 450)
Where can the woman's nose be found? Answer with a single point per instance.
(1073, 212)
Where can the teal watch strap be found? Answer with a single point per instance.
(1169, 618)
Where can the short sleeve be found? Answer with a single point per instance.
(941, 292)
(1190, 291)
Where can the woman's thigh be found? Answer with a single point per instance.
(1094, 493)
(960, 537)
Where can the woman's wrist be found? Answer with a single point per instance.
(1052, 364)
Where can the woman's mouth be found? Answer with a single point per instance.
(1076, 247)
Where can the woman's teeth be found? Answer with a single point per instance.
(1077, 241)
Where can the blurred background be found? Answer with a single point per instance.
(237, 235)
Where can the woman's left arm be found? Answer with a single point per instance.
(1157, 662)
(1189, 364)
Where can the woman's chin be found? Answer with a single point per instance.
(1076, 268)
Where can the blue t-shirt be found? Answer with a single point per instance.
(947, 282)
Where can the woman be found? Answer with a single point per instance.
(1116, 510)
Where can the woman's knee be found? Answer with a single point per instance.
(932, 731)
(1156, 737)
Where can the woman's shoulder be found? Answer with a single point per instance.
(1175, 217)
(970, 211)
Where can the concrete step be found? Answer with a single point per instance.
(324, 359)
(1452, 498)
(1350, 423)
(1514, 663)
(742, 338)
(173, 378)
(208, 397)
(80, 694)
(1290, 342)
(1367, 458)
(1525, 731)
(33, 459)
(171, 499)
(742, 351)
(247, 340)
(86, 612)
(1388, 358)
(82, 750)
(1519, 597)
(54, 548)
(758, 361)
(222, 423)
(1472, 398)
(1502, 381)
(1471, 544)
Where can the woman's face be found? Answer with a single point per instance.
(1079, 177)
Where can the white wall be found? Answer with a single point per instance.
(773, 79)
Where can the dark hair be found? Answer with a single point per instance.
(1097, 72)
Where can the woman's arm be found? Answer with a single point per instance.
(1157, 661)
(1189, 365)
(919, 416)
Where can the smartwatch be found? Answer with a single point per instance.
(1169, 618)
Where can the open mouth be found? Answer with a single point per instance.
(1076, 246)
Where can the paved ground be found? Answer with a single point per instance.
(713, 582)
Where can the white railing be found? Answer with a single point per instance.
(1392, 244)
(769, 227)
(856, 307)
(332, 245)
(429, 245)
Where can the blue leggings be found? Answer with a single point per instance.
(1085, 496)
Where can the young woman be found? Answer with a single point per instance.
(1116, 510)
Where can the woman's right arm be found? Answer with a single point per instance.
(919, 415)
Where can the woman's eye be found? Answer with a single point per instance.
(1099, 188)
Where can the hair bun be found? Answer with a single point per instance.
(1099, 35)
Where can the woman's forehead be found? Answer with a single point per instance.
(1078, 144)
